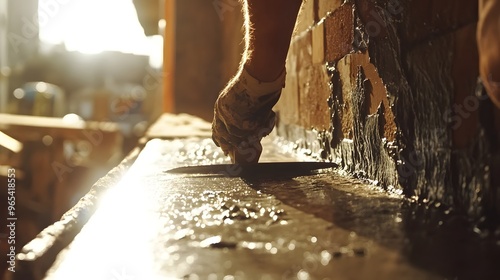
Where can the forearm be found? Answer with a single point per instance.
(271, 26)
(243, 111)
(488, 40)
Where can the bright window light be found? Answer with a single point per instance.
(93, 26)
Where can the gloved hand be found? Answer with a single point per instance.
(243, 116)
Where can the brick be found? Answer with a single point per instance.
(464, 74)
(304, 49)
(348, 68)
(376, 18)
(424, 19)
(288, 105)
(339, 33)
(306, 17)
(326, 6)
(314, 90)
(318, 44)
(345, 112)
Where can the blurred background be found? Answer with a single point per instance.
(90, 58)
(82, 80)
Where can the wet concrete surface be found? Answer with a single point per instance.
(157, 225)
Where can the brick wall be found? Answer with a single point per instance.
(388, 89)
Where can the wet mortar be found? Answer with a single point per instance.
(156, 225)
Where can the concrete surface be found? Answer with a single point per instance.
(140, 222)
(156, 225)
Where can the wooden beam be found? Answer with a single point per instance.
(4, 88)
(169, 58)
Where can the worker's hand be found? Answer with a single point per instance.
(243, 116)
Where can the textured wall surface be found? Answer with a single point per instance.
(389, 90)
(208, 50)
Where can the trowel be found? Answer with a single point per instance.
(264, 169)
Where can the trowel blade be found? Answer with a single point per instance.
(255, 169)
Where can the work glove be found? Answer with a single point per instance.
(243, 116)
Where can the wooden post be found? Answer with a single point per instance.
(169, 58)
(4, 88)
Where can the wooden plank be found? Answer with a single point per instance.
(170, 126)
(7, 120)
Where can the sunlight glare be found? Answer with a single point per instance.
(93, 26)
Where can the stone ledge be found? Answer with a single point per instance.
(38, 255)
(144, 223)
